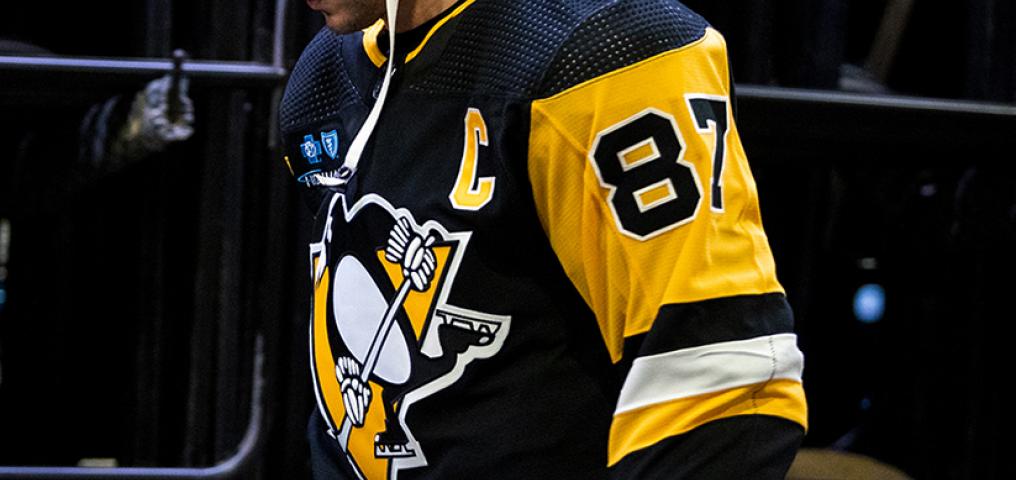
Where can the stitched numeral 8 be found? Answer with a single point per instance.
(640, 160)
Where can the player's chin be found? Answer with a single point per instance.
(340, 23)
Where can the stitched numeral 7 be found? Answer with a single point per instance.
(710, 114)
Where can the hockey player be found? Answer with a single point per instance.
(540, 253)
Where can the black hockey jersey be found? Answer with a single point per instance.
(550, 261)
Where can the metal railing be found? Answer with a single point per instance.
(240, 462)
(816, 121)
(198, 69)
(874, 102)
(147, 67)
(263, 75)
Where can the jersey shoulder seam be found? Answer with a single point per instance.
(623, 69)
(676, 14)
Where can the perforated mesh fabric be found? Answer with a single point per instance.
(537, 48)
(620, 34)
(502, 47)
(318, 85)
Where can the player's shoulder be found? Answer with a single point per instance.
(536, 47)
(613, 34)
(318, 84)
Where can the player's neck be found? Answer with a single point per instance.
(413, 13)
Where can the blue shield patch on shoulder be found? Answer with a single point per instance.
(330, 141)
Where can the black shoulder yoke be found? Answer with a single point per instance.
(319, 85)
(536, 48)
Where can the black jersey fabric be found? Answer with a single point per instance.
(549, 262)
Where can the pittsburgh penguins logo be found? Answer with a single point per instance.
(382, 333)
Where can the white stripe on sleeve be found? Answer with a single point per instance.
(710, 368)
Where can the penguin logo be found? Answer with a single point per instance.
(383, 335)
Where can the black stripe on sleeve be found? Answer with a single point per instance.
(686, 325)
(758, 447)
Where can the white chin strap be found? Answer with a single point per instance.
(360, 141)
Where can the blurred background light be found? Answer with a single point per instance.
(869, 303)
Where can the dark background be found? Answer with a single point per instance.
(133, 294)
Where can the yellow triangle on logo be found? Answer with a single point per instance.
(418, 305)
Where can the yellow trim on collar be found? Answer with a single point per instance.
(371, 34)
(439, 24)
(370, 45)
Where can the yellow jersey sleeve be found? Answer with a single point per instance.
(644, 191)
(643, 201)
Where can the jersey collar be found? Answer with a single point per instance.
(372, 33)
